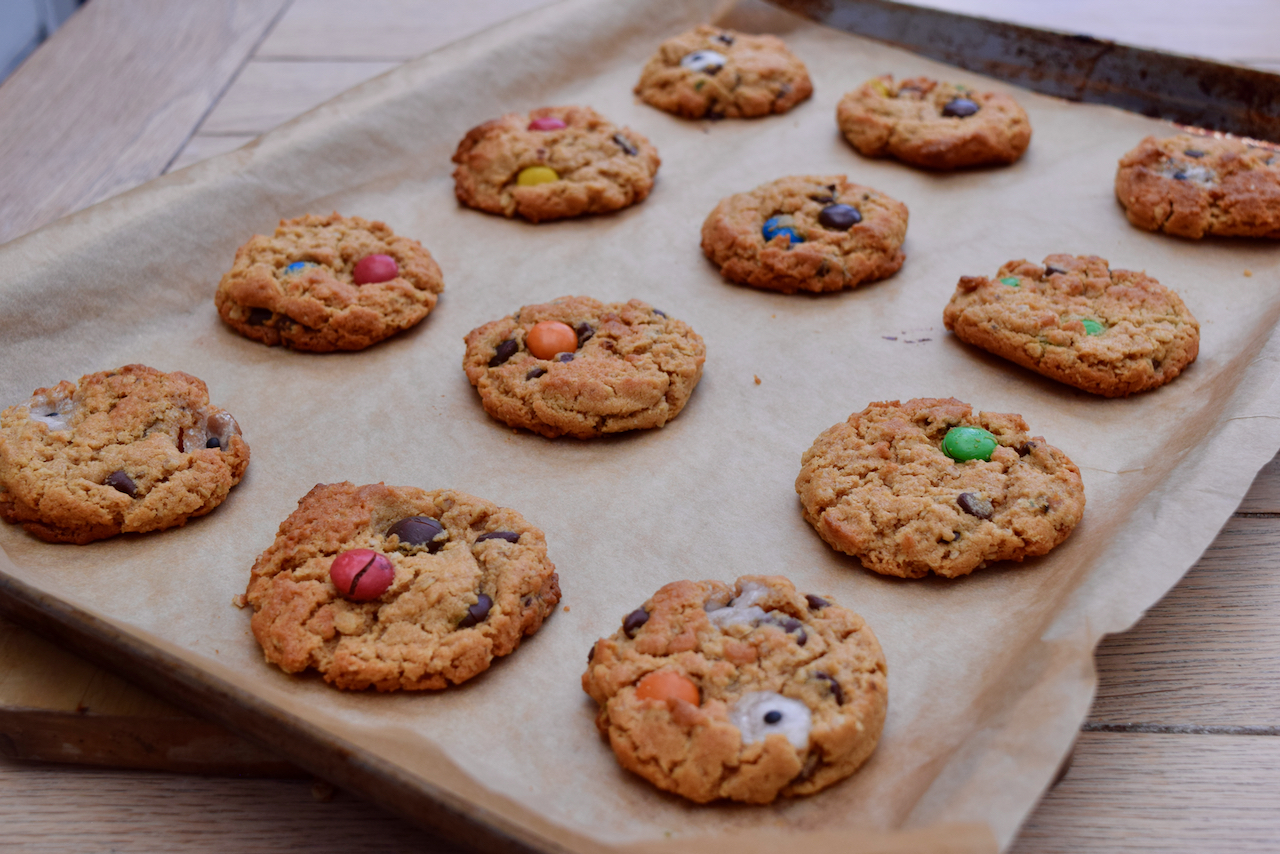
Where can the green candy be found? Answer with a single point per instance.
(969, 443)
(1092, 327)
(1011, 281)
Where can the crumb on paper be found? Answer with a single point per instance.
(566, 609)
(757, 379)
(1248, 273)
(240, 600)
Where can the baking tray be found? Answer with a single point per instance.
(989, 676)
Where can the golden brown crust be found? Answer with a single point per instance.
(758, 76)
(905, 120)
(601, 167)
(735, 642)
(320, 308)
(879, 487)
(1192, 186)
(828, 259)
(1109, 332)
(119, 451)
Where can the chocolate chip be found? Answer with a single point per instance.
(534, 373)
(509, 536)
(584, 332)
(659, 312)
(122, 482)
(772, 716)
(1027, 447)
(591, 653)
(626, 145)
(1050, 270)
(833, 686)
(564, 357)
(959, 108)
(477, 612)
(633, 621)
(724, 38)
(418, 531)
(505, 351)
(1194, 152)
(259, 316)
(816, 603)
(213, 443)
(975, 505)
(1179, 175)
(839, 217)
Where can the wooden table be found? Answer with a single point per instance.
(1179, 753)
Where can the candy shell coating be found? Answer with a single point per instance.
(969, 443)
(668, 686)
(534, 175)
(361, 575)
(372, 269)
(547, 123)
(546, 338)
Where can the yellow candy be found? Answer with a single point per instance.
(536, 175)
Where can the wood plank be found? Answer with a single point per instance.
(1264, 495)
(1178, 794)
(172, 59)
(1208, 654)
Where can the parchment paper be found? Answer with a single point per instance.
(990, 676)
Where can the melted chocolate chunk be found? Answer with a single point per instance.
(816, 603)
(1194, 152)
(1049, 270)
(839, 217)
(564, 357)
(534, 373)
(959, 108)
(477, 612)
(506, 350)
(213, 443)
(659, 312)
(975, 505)
(418, 531)
(772, 716)
(591, 653)
(1179, 175)
(626, 145)
(122, 482)
(584, 332)
(724, 38)
(833, 686)
(509, 536)
(1027, 447)
(259, 316)
(633, 621)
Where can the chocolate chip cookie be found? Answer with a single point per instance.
(324, 283)
(579, 367)
(745, 692)
(398, 588)
(806, 233)
(1191, 186)
(552, 163)
(717, 73)
(931, 124)
(930, 486)
(1110, 332)
(129, 450)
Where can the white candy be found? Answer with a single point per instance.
(706, 61)
(761, 713)
(1189, 171)
(742, 610)
(54, 411)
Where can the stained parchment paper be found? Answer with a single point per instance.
(990, 675)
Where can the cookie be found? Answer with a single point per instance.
(579, 367)
(930, 486)
(1110, 332)
(716, 73)
(1191, 186)
(324, 283)
(935, 125)
(129, 450)
(806, 233)
(745, 691)
(398, 588)
(553, 163)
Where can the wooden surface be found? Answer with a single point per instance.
(1178, 754)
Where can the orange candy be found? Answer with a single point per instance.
(668, 686)
(548, 337)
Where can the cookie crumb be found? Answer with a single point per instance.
(566, 609)
(757, 379)
(1248, 274)
(239, 601)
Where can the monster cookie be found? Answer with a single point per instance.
(929, 486)
(583, 368)
(1110, 332)
(128, 450)
(934, 125)
(806, 233)
(399, 588)
(325, 283)
(552, 163)
(723, 74)
(745, 692)
(1197, 185)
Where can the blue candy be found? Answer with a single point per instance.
(297, 267)
(776, 225)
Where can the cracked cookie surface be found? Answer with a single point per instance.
(720, 73)
(129, 450)
(880, 487)
(1192, 186)
(806, 233)
(553, 163)
(298, 287)
(746, 691)
(931, 124)
(1109, 332)
(627, 366)
(455, 601)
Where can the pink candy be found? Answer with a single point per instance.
(361, 574)
(372, 269)
(547, 123)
